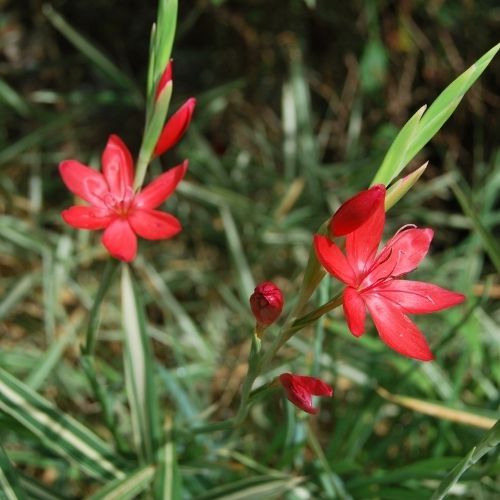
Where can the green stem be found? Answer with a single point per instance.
(263, 360)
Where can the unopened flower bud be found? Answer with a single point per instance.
(267, 303)
(175, 127)
(357, 210)
(166, 77)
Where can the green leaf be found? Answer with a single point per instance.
(59, 432)
(164, 36)
(128, 487)
(490, 243)
(394, 160)
(13, 99)
(93, 54)
(402, 186)
(9, 482)
(420, 128)
(153, 130)
(490, 440)
(139, 374)
(168, 479)
(255, 487)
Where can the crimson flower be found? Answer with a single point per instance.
(114, 206)
(266, 303)
(300, 389)
(374, 280)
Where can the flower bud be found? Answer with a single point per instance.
(357, 210)
(175, 127)
(165, 78)
(266, 302)
(300, 389)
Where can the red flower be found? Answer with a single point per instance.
(300, 389)
(113, 204)
(175, 127)
(374, 280)
(267, 303)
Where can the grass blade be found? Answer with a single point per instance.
(128, 487)
(9, 482)
(490, 440)
(139, 371)
(421, 127)
(94, 55)
(394, 160)
(168, 479)
(59, 432)
(490, 244)
(255, 487)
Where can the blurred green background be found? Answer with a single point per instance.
(298, 102)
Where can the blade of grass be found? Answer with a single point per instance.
(127, 488)
(168, 479)
(438, 411)
(246, 281)
(421, 127)
(139, 371)
(394, 160)
(255, 487)
(9, 481)
(59, 432)
(490, 244)
(13, 99)
(490, 441)
(93, 54)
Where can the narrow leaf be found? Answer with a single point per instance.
(139, 371)
(168, 480)
(95, 56)
(164, 36)
(490, 440)
(421, 127)
(394, 160)
(9, 482)
(490, 243)
(59, 432)
(128, 487)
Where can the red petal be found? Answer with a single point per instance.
(175, 127)
(415, 297)
(117, 166)
(84, 181)
(333, 260)
(357, 210)
(154, 225)
(165, 78)
(300, 388)
(355, 311)
(396, 329)
(314, 385)
(155, 193)
(362, 244)
(402, 254)
(87, 217)
(120, 241)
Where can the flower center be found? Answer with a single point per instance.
(120, 204)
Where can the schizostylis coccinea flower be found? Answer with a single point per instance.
(375, 279)
(114, 206)
(300, 389)
(266, 303)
